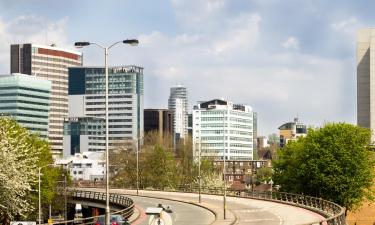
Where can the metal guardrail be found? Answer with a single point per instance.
(334, 214)
(114, 199)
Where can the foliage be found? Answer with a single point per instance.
(21, 154)
(160, 166)
(332, 162)
(264, 175)
(159, 171)
(18, 170)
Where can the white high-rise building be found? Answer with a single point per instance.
(366, 79)
(218, 124)
(50, 63)
(178, 104)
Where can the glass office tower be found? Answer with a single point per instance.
(26, 99)
(125, 100)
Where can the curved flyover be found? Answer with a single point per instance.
(257, 207)
(119, 204)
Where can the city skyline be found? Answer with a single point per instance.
(284, 58)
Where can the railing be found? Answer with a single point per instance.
(118, 200)
(334, 214)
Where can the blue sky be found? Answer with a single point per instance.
(282, 57)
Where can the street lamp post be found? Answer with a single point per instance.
(39, 194)
(106, 49)
(138, 145)
(224, 170)
(199, 172)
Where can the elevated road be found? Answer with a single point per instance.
(182, 214)
(239, 210)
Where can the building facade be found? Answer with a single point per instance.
(26, 99)
(51, 63)
(366, 79)
(83, 134)
(291, 131)
(159, 120)
(85, 166)
(125, 100)
(178, 104)
(219, 125)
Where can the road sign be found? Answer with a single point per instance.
(23, 223)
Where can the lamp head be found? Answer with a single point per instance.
(81, 44)
(132, 42)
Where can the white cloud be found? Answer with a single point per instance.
(349, 25)
(218, 54)
(191, 14)
(242, 33)
(291, 43)
(29, 29)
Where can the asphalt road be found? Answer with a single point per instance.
(239, 211)
(182, 214)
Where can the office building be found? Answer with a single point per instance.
(83, 134)
(51, 63)
(291, 131)
(158, 120)
(219, 124)
(26, 99)
(365, 79)
(178, 104)
(125, 100)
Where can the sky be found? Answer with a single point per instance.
(284, 58)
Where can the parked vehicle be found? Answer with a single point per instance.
(78, 216)
(114, 220)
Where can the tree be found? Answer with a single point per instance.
(159, 165)
(21, 153)
(160, 168)
(264, 174)
(332, 162)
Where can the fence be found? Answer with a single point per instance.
(114, 199)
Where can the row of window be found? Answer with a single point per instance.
(23, 108)
(213, 125)
(110, 97)
(120, 132)
(109, 103)
(241, 126)
(32, 122)
(15, 94)
(122, 91)
(213, 112)
(24, 88)
(241, 132)
(243, 114)
(110, 109)
(240, 139)
(22, 101)
(212, 119)
(240, 120)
